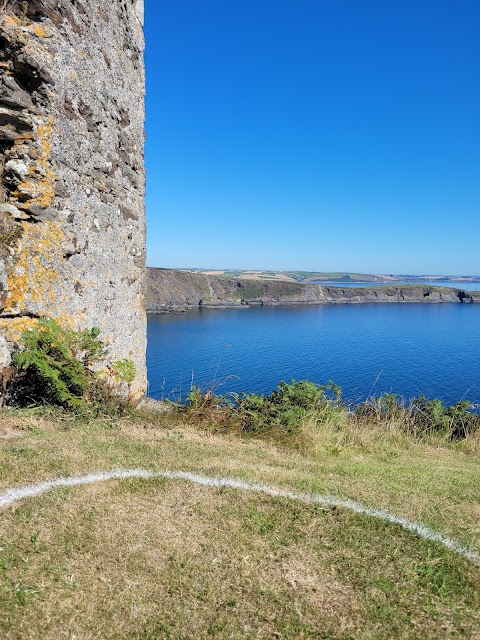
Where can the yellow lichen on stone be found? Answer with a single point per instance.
(34, 276)
(39, 192)
(67, 321)
(22, 137)
(41, 31)
(11, 20)
(12, 328)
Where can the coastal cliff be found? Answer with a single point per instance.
(72, 179)
(171, 291)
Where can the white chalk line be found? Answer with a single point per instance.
(12, 496)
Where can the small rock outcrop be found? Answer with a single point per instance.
(72, 179)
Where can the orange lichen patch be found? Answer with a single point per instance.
(44, 132)
(38, 28)
(34, 276)
(67, 321)
(12, 328)
(137, 393)
(21, 137)
(41, 31)
(39, 192)
(12, 21)
(20, 146)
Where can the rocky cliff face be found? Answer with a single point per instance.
(170, 291)
(72, 224)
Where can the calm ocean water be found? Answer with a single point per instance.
(406, 348)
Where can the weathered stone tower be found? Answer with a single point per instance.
(72, 179)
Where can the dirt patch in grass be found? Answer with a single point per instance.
(7, 432)
(10, 427)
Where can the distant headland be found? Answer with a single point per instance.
(178, 290)
(337, 277)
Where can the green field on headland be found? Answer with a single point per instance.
(333, 276)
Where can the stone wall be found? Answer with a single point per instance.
(72, 179)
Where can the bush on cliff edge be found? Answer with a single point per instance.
(57, 366)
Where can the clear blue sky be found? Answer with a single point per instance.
(314, 134)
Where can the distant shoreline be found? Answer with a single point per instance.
(470, 285)
(328, 278)
(176, 291)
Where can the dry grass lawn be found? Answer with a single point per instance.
(168, 559)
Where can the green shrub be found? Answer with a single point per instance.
(124, 370)
(386, 406)
(54, 365)
(285, 409)
(431, 416)
(206, 407)
(196, 397)
(422, 417)
(122, 374)
(463, 421)
(282, 412)
(300, 410)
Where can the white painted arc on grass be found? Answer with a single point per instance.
(12, 496)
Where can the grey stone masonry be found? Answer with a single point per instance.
(72, 178)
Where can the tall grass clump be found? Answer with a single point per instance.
(314, 417)
(293, 414)
(420, 418)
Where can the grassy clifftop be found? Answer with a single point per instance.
(157, 558)
(171, 290)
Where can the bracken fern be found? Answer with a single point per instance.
(55, 365)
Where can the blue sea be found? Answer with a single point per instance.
(367, 349)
